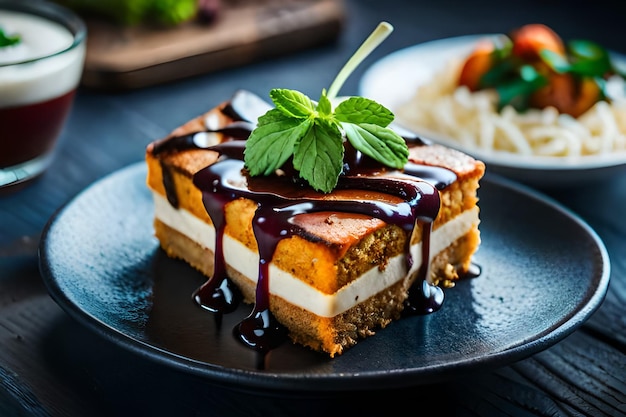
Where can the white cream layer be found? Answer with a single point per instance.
(296, 292)
(45, 78)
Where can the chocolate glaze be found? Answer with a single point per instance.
(281, 198)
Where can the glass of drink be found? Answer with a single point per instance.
(42, 52)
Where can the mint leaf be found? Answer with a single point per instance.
(363, 110)
(312, 134)
(8, 40)
(319, 155)
(324, 107)
(273, 141)
(292, 103)
(380, 143)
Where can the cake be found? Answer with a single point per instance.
(325, 269)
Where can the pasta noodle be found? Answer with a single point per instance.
(471, 119)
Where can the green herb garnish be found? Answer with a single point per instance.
(586, 59)
(515, 79)
(9, 40)
(313, 133)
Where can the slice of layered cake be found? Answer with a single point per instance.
(323, 218)
(332, 268)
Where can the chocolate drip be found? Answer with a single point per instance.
(246, 106)
(281, 198)
(244, 109)
(168, 184)
(439, 177)
(198, 140)
(223, 182)
(424, 298)
(215, 294)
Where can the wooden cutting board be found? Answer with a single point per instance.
(122, 58)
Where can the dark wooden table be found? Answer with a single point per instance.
(51, 365)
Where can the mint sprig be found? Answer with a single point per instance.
(313, 133)
(8, 40)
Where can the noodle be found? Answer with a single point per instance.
(472, 120)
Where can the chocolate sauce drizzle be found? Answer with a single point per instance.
(278, 203)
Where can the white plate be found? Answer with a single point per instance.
(393, 80)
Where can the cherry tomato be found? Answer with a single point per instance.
(530, 39)
(567, 94)
(476, 65)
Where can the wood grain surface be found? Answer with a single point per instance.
(243, 32)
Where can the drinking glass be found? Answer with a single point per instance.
(39, 76)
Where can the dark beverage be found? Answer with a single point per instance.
(31, 130)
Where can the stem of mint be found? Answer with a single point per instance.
(379, 34)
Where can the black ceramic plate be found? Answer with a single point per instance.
(544, 271)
